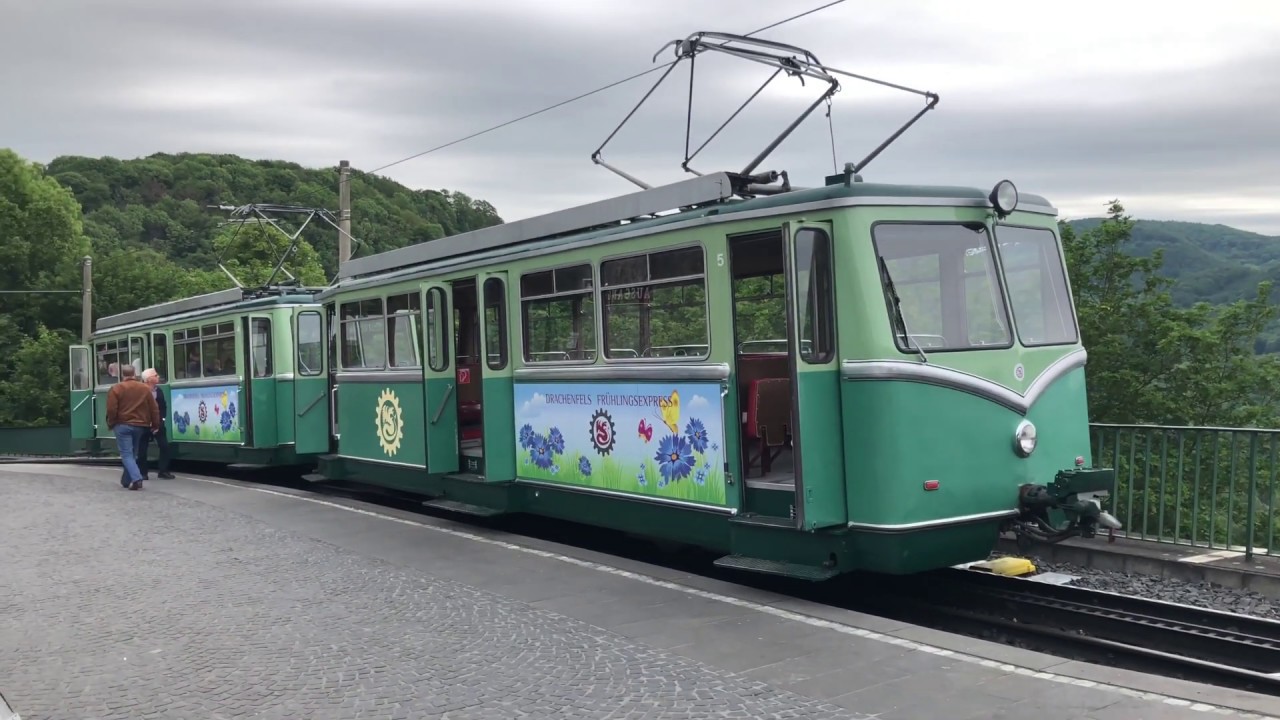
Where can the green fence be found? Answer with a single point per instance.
(1201, 486)
(36, 441)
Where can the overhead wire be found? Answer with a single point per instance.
(576, 98)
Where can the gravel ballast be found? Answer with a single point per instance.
(1198, 594)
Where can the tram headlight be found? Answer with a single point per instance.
(1004, 196)
(1024, 438)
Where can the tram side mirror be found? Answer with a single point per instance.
(1004, 196)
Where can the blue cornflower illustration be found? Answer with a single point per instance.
(539, 452)
(697, 434)
(225, 421)
(526, 436)
(584, 466)
(231, 408)
(555, 441)
(675, 458)
(640, 476)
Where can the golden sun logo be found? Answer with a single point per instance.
(389, 422)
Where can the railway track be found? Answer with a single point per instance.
(1198, 644)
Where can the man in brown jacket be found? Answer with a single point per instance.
(131, 412)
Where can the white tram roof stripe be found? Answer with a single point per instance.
(686, 193)
(1027, 204)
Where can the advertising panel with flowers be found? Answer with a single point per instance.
(206, 414)
(655, 439)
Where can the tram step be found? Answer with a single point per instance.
(768, 521)
(461, 507)
(315, 477)
(776, 567)
(466, 477)
(248, 466)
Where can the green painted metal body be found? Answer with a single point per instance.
(244, 417)
(383, 422)
(869, 441)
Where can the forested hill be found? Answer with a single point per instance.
(161, 202)
(1211, 263)
(152, 236)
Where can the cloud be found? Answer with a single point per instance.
(698, 402)
(534, 406)
(1170, 111)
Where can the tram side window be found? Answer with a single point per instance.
(135, 356)
(495, 322)
(403, 315)
(559, 314)
(760, 314)
(109, 358)
(80, 378)
(186, 353)
(218, 349)
(437, 337)
(363, 334)
(309, 344)
(160, 355)
(260, 346)
(949, 297)
(1037, 286)
(655, 305)
(815, 296)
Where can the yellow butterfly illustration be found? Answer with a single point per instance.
(671, 411)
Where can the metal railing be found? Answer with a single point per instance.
(1205, 487)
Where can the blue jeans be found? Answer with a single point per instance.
(128, 437)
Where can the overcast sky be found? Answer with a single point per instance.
(1172, 107)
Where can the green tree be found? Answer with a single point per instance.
(1151, 361)
(127, 280)
(34, 391)
(251, 250)
(41, 244)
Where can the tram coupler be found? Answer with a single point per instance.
(1069, 506)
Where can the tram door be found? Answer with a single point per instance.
(786, 374)
(438, 379)
(80, 384)
(312, 422)
(817, 443)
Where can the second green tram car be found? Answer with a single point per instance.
(241, 371)
(852, 377)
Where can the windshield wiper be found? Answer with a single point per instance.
(897, 308)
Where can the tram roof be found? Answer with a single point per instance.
(222, 300)
(491, 241)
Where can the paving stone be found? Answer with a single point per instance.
(126, 605)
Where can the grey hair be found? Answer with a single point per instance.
(149, 373)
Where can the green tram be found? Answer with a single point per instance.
(851, 377)
(240, 369)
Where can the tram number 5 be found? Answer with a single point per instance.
(720, 259)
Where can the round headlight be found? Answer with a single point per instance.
(1024, 438)
(1004, 196)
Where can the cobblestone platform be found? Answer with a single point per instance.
(195, 599)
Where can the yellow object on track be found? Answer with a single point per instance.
(1006, 566)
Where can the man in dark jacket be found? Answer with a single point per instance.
(131, 412)
(161, 436)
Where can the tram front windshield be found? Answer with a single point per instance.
(943, 290)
